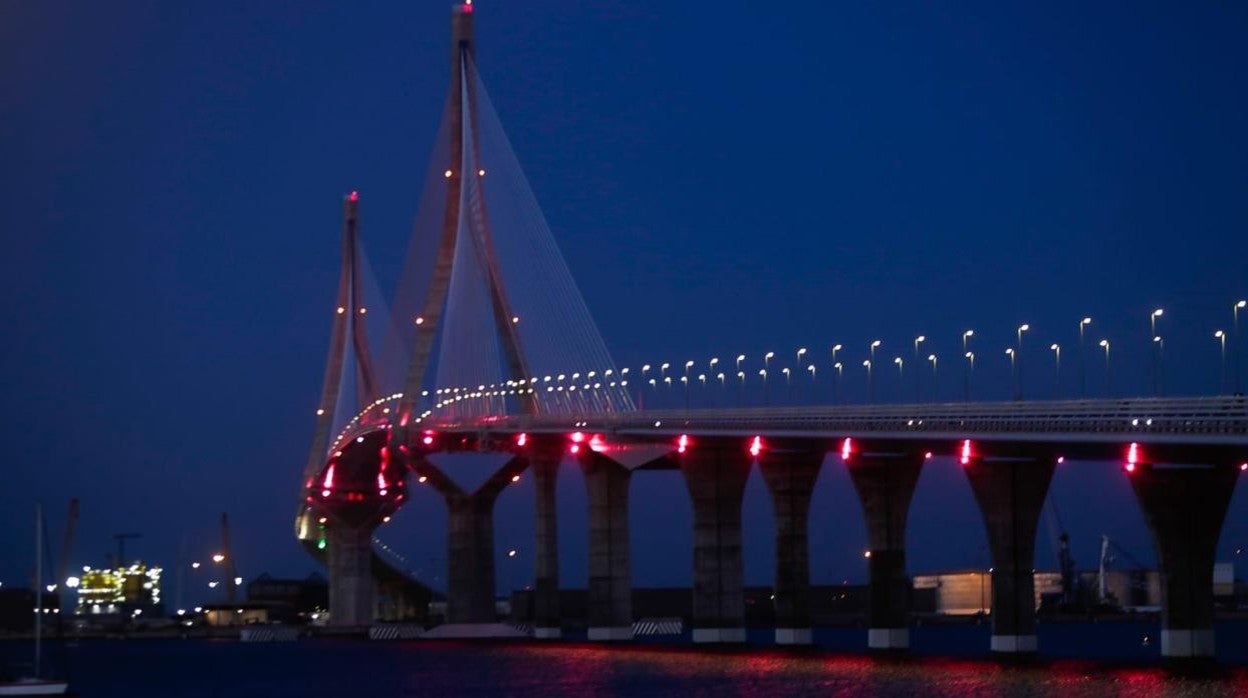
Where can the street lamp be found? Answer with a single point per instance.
(935, 382)
(836, 384)
(766, 396)
(870, 382)
(966, 376)
(835, 348)
(1221, 337)
(1057, 366)
(740, 358)
(1021, 329)
(1157, 346)
(965, 336)
(713, 362)
(1161, 351)
(788, 382)
(1238, 346)
(1014, 370)
(663, 370)
(685, 381)
(874, 345)
(1083, 371)
(767, 358)
(918, 379)
(1108, 382)
(799, 356)
(740, 388)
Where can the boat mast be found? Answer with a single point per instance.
(38, 588)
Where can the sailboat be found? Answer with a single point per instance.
(35, 685)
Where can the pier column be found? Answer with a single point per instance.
(790, 476)
(1184, 508)
(544, 463)
(1010, 493)
(716, 481)
(351, 590)
(885, 483)
(470, 541)
(610, 611)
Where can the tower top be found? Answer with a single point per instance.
(461, 31)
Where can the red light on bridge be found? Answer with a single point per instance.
(966, 452)
(515, 478)
(522, 439)
(682, 444)
(574, 449)
(847, 448)
(328, 484)
(324, 493)
(927, 456)
(381, 483)
(1133, 457)
(756, 446)
(353, 196)
(1061, 459)
(596, 444)
(577, 437)
(1243, 466)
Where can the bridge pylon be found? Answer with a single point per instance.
(348, 492)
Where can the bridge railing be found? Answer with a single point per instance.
(1225, 416)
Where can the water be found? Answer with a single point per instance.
(344, 667)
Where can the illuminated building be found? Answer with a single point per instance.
(130, 590)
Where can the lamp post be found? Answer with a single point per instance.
(663, 370)
(1014, 370)
(1057, 368)
(767, 358)
(1157, 348)
(1109, 384)
(836, 382)
(870, 382)
(788, 383)
(1021, 329)
(740, 388)
(685, 381)
(935, 381)
(1221, 337)
(1238, 358)
(1083, 370)
(901, 371)
(918, 378)
(835, 348)
(740, 358)
(1161, 352)
(966, 375)
(766, 395)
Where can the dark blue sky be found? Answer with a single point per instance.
(722, 178)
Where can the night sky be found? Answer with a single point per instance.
(722, 178)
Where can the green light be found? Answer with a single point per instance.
(320, 544)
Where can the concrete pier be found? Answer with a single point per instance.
(885, 483)
(470, 541)
(351, 592)
(610, 611)
(544, 463)
(1185, 508)
(716, 481)
(1010, 491)
(790, 476)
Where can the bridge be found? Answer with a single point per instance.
(489, 347)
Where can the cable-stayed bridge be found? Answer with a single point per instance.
(488, 346)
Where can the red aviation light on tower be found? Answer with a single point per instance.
(468, 6)
(428, 438)
(847, 448)
(328, 483)
(966, 452)
(1133, 457)
(756, 446)
(682, 444)
(353, 196)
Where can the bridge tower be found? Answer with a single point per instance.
(470, 545)
(349, 492)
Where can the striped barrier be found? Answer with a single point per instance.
(269, 633)
(658, 626)
(395, 631)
